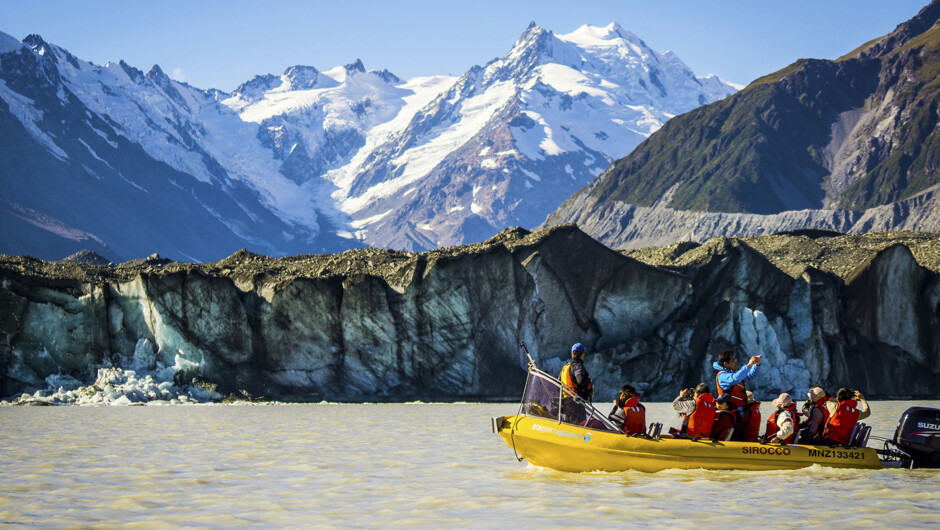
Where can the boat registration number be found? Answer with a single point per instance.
(833, 453)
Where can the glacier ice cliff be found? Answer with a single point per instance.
(446, 324)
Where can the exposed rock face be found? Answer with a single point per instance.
(623, 225)
(373, 324)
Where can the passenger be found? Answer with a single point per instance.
(698, 408)
(629, 415)
(783, 422)
(851, 408)
(749, 427)
(732, 381)
(575, 377)
(726, 417)
(808, 405)
(817, 415)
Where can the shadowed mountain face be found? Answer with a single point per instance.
(111, 159)
(850, 145)
(859, 311)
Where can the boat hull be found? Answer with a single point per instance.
(565, 447)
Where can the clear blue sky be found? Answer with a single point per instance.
(212, 43)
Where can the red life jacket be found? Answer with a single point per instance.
(751, 422)
(840, 425)
(635, 414)
(724, 422)
(699, 422)
(772, 426)
(738, 392)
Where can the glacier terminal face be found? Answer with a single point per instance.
(822, 308)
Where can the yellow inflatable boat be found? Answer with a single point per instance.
(549, 431)
(548, 443)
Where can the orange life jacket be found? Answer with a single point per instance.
(635, 414)
(840, 425)
(751, 423)
(738, 392)
(772, 426)
(724, 422)
(699, 422)
(587, 387)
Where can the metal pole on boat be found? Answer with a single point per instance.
(526, 350)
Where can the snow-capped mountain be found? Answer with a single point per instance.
(113, 159)
(509, 141)
(127, 163)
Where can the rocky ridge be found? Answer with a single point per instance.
(374, 324)
(846, 145)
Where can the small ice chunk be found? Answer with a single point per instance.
(122, 401)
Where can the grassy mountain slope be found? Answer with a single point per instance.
(772, 147)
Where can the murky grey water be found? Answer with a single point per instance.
(429, 465)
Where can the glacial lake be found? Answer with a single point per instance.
(380, 465)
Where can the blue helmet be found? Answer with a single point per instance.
(577, 349)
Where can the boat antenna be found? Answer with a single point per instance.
(526, 350)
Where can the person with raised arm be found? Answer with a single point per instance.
(732, 380)
(851, 408)
(697, 407)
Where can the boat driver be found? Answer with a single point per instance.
(575, 377)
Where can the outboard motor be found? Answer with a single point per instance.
(918, 435)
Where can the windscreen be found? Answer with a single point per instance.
(544, 398)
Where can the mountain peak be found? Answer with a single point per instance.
(355, 66)
(608, 35)
(39, 46)
(387, 76)
(925, 19)
(301, 77)
(615, 31)
(156, 72)
(533, 30)
(135, 74)
(257, 86)
(534, 42)
(34, 41)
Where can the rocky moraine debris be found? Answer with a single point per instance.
(861, 310)
(831, 252)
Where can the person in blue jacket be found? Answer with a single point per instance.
(731, 380)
